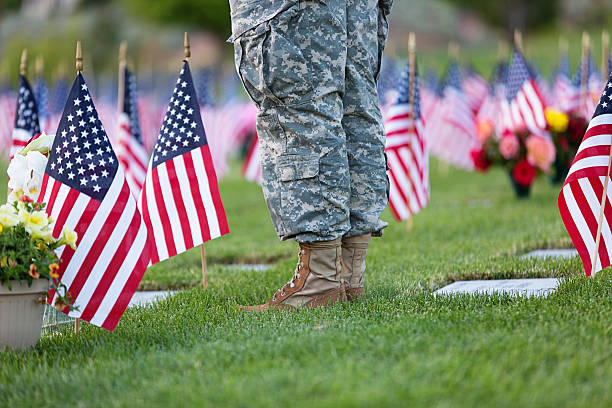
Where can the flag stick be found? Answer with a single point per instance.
(187, 47)
(79, 69)
(24, 62)
(121, 81)
(601, 214)
(518, 40)
(584, 65)
(502, 50)
(605, 54)
(563, 46)
(40, 66)
(411, 95)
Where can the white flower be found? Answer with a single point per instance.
(42, 144)
(26, 175)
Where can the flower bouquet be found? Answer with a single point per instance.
(28, 260)
(566, 130)
(523, 154)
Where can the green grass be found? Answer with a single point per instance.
(401, 347)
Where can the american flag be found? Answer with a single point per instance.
(85, 189)
(130, 152)
(451, 131)
(431, 93)
(251, 170)
(490, 109)
(587, 93)
(525, 104)
(205, 97)
(581, 196)
(7, 119)
(407, 152)
(180, 200)
(26, 119)
(564, 92)
(476, 88)
(42, 97)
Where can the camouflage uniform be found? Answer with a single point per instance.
(311, 68)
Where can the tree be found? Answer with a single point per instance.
(511, 14)
(211, 15)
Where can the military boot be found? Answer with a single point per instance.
(354, 250)
(316, 281)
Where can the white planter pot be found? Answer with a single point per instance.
(20, 316)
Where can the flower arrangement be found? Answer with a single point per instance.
(566, 130)
(27, 245)
(523, 154)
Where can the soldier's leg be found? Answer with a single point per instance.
(291, 56)
(362, 121)
(365, 137)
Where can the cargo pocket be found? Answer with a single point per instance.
(300, 191)
(268, 58)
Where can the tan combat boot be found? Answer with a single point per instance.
(354, 250)
(316, 281)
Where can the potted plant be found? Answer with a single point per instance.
(29, 266)
(522, 154)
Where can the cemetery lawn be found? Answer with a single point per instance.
(401, 347)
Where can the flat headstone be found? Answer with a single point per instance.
(149, 297)
(249, 267)
(551, 253)
(515, 287)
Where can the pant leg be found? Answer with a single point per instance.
(362, 121)
(291, 62)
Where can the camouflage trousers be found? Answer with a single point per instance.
(311, 67)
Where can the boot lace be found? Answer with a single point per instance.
(296, 275)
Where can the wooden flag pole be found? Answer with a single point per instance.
(121, 77)
(40, 66)
(24, 62)
(518, 40)
(411, 94)
(586, 41)
(79, 69)
(605, 55)
(187, 47)
(563, 47)
(502, 50)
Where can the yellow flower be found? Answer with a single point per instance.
(69, 237)
(33, 272)
(557, 120)
(8, 220)
(4, 262)
(45, 234)
(7, 209)
(1, 228)
(53, 270)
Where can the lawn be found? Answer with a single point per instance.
(400, 347)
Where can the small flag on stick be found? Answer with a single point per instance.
(85, 189)
(130, 151)
(180, 199)
(584, 201)
(26, 119)
(406, 148)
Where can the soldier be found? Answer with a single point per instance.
(311, 67)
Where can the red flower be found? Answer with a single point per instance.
(576, 128)
(26, 199)
(524, 173)
(480, 159)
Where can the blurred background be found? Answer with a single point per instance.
(153, 30)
